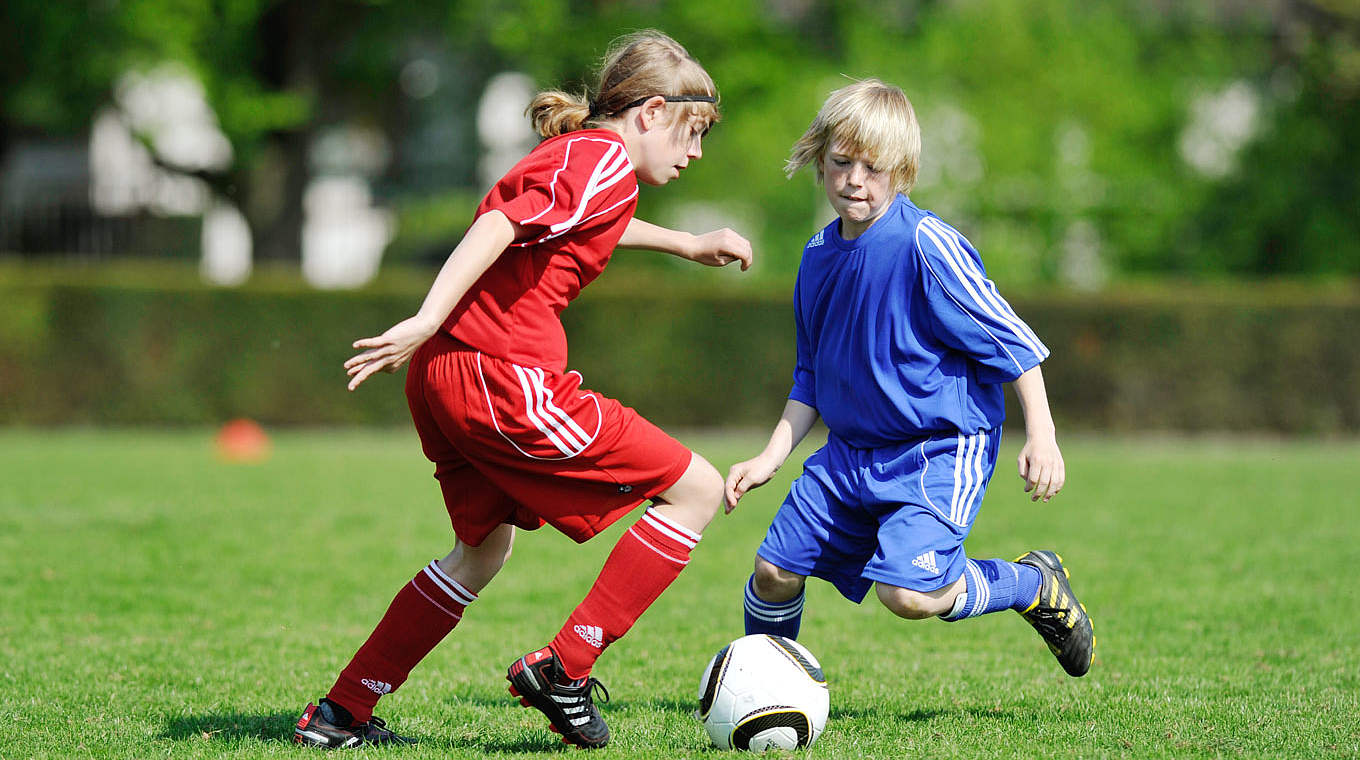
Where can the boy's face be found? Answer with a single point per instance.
(858, 190)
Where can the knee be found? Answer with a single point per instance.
(694, 499)
(498, 560)
(775, 584)
(710, 487)
(474, 567)
(912, 605)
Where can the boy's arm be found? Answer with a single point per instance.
(716, 249)
(792, 427)
(1040, 462)
(484, 242)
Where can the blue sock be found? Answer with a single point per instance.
(774, 618)
(992, 585)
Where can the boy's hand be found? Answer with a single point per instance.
(720, 248)
(389, 351)
(744, 476)
(1041, 465)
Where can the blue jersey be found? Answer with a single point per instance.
(900, 333)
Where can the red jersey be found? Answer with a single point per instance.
(574, 194)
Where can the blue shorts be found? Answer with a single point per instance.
(896, 514)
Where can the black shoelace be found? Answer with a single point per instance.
(589, 690)
(1050, 621)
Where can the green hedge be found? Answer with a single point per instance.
(1267, 359)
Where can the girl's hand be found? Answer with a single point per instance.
(389, 351)
(720, 248)
(744, 476)
(1041, 465)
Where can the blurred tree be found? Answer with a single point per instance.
(63, 66)
(1295, 206)
(1059, 134)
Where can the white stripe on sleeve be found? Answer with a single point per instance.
(982, 290)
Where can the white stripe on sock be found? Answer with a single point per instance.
(675, 531)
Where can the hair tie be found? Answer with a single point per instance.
(671, 99)
(597, 110)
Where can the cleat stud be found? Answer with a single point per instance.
(513, 691)
(525, 701)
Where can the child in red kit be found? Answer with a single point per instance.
(515, 439)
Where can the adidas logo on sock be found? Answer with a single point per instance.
(377, 687)
(591, 634)
(926, 562)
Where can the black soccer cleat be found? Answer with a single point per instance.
(536, 679)
(322, 726)
(1058, 616)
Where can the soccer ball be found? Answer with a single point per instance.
(763, 692)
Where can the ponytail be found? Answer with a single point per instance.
(556, 113)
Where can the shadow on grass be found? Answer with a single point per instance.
(686, 707)
(278, 727)
(615, 704)
(273, 727)
(919, 715)
(518, 745)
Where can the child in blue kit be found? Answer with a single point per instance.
(903, 347)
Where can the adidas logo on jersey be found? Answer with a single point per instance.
(377, 687)
(591, 634)
(926, 562)
(816, 239)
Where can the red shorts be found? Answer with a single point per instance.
(525, 445)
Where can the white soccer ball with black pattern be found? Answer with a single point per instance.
(763, 692)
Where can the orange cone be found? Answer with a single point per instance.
(242, 440)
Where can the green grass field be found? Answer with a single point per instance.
(155, 602)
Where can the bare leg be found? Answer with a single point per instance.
(475, 566)
(695, 498)
(918, 605)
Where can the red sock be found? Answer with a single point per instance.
(420, 616)
(646, 559)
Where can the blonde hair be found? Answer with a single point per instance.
(870, 118)
(637, 65)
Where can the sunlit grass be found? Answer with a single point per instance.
(158, 602)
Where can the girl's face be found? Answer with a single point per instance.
(858, 190)
(663, 148)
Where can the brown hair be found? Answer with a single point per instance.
(868, 117)
(636, 66)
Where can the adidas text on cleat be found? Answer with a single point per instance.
(536, 679)
(321, 726)
(1058, 616)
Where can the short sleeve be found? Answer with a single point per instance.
(572, 185)
(967, 312)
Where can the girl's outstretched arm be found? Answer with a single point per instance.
(484, 242)
(715, 249)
